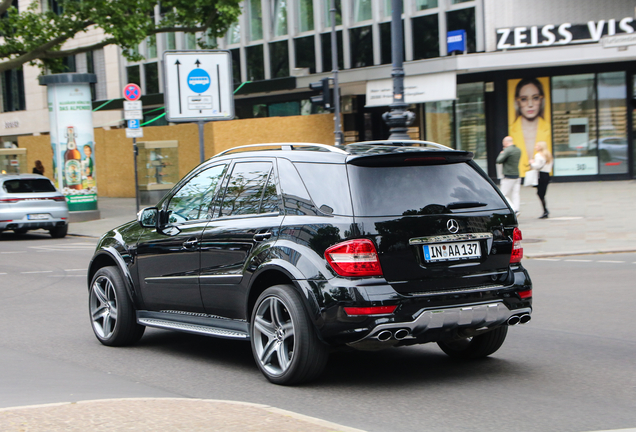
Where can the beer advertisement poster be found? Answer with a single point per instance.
(73, 144)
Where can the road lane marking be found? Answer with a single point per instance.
(547, 259)
(39, 271)
(13, 252)
(75, 270)
(615, 262)
(2, 273)
(570, 260)
(65, 276)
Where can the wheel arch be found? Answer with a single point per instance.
(109, 256)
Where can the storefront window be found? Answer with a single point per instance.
(439, 122)
(471, 121)
(612, 123)
(574, 125)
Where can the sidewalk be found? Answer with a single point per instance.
(588, 217)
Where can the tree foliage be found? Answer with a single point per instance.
(37, 37)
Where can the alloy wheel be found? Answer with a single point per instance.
(103, 307)
(274, 336)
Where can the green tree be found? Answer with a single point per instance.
(36, 37)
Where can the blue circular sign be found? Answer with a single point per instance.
(198, 80)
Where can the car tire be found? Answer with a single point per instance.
(479, 346)
(112, 312)
(20, 231)
(59, 232)
(284, 342)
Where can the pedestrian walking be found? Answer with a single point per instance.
(542, 162)
(511, 183)
(38, 168)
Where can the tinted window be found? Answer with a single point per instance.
(248, 184)
(327, 185)
(28, 185)
(193, 200)
(411, 190)
(295, 196)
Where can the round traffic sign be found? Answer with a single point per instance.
(198, 80)
(132, 92)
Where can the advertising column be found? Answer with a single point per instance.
(72, 139)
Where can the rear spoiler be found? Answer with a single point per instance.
(411, 158)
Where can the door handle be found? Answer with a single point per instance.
(262, 236)
(190, 244)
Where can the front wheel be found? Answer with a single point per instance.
(475, 347)
(112, 313)
(284, 341)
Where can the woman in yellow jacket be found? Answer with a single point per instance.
(529, 126)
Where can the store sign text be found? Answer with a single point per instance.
(562, 34)
(11, 124)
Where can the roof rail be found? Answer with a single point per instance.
(404, 143)
(283, 146)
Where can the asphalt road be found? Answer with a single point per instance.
(570, 369)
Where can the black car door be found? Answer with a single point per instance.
(246, 223)
(169, 257)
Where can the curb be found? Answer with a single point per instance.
(267, 408)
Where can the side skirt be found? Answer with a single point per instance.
(197, 323)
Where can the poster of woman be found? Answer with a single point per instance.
(529, 116)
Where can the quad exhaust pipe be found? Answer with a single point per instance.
(519, 319)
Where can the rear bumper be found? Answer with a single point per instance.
(33, 224)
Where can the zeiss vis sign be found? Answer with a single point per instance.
(561, 34)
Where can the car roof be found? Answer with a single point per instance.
(313, 152)
(4, 177)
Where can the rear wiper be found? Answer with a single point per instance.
(465, 204)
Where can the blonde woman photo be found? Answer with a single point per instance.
(542, 162)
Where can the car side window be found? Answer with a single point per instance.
(251, 190)
(192, 201)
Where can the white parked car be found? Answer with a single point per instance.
(30, 202)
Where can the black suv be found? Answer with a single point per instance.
(305, 248)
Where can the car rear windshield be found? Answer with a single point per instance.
(28, 186)
(420, 190)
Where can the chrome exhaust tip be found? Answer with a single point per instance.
(524, 318)
(401, 334)
(514, 320)
(384, 335)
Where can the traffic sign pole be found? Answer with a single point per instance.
(201, 141)
(133, 113)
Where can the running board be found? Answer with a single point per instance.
(192, 328)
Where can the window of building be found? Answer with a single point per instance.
(13, 90)
(425, 4)
(325, 39)
(90, 68)
(326, 7)
(282, 109)
(305, 15)
(574, 125)
(361, 43)
(191, 41)
(460, 1)
(255, 16)
(171, 41)
(612, 123)
(151, 47)
(440, 123)
(279, 59)
(463, 19)
(236, 66)
(305, 53)
(388, 8)
(255, 68)
(151, 75)
(386, 48)
(470, 115)
(234, 34)
(69, 64)
(279, 17)
(425, 37)
(133, 74)
(362, 10)
(52, 6)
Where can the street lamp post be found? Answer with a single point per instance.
(398, 118)
(334, 70)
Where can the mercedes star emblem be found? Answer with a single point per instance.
(452, 226)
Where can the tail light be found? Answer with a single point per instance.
(59, 198)
(354, 258)
(517, 250)
(10, 200)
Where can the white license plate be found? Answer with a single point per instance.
(451, 251)
(38, 216)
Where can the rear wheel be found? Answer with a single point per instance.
(284, 342)
(112, 313)
(475, 347)
(59, 232)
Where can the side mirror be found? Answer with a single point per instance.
(148, 217)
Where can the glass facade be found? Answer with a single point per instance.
(305, 15)
(255, 15)
(255, 69)
(425, 37)
(440, 122)
(279, 17)
(279, 59)
(361, 40)
(305, 53)
(325, 38)
(470, 114)
(362, 10)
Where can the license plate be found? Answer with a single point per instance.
(451, 251)
(38, 216)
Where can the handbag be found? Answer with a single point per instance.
(532, 178)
